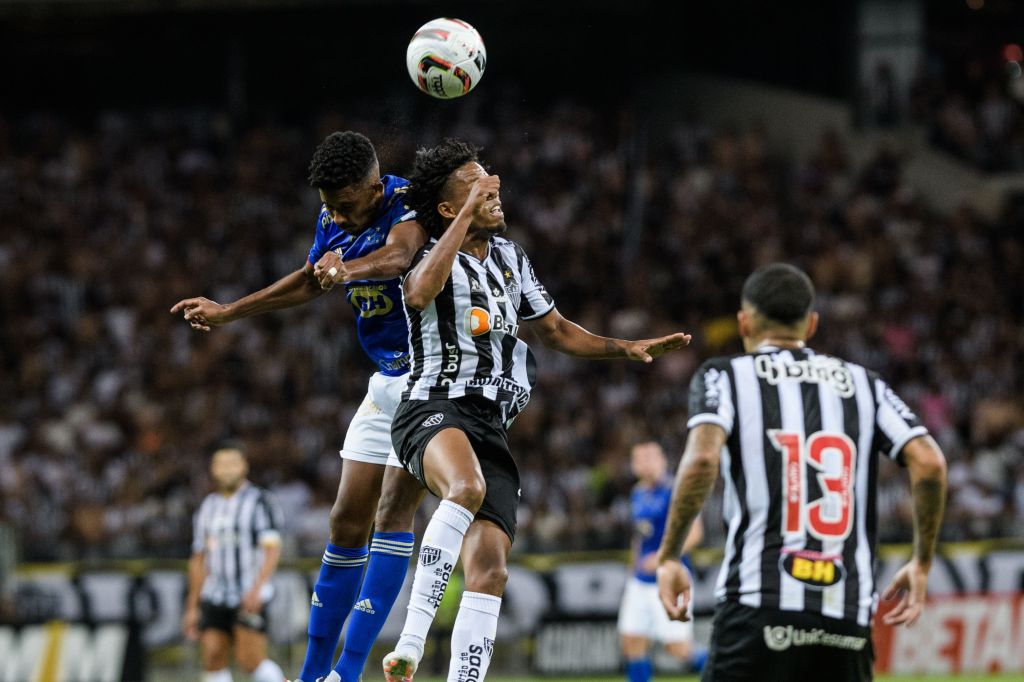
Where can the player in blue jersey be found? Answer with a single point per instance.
(365, 237)
(642, 619)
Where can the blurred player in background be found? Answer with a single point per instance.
(465, 296)
(641, 617)
(796, 434)
(365, 237)
(236, 545)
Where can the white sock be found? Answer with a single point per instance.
(267, 671)
(473, 637)
(333, 677)
(439, 552)
(217, 675)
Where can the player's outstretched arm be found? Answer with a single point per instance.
(565, 336)
(291, 290)
(387, 262)
(694, 480)
(927, 468)
(425, 281)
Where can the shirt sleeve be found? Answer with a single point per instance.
(711, 398)
(420, 254)
(199, 529)
(320, 237)
(268, 520)
(895, 423)
(534, 299)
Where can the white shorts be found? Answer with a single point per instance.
(368, 438)
(642, 615)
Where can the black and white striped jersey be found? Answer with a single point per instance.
(465, 342)
(800, 471)
(230, 532)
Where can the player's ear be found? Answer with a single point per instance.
(743, 322)
(812, 326)
(447, 210)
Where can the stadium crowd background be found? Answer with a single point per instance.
(112, 405)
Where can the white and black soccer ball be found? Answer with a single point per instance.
(446, 58)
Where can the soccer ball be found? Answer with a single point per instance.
(446, 58)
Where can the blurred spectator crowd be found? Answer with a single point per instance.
(111, 405)
(973, 106)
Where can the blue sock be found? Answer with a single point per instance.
(389, 561)
(333, 595)
(639, 670)
(698, 659)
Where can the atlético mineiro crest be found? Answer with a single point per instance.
(434, 419)
(429, 555)
(489, 646)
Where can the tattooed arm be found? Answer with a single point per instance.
(927, 469)
(694, 480)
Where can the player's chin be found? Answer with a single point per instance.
(498, 227)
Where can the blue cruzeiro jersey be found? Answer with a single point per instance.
(650, 513)
(380, 319)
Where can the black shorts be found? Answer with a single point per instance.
(766, 645)
(216, 617)
(417, 421)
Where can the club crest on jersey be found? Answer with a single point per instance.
(433, 420)
(429, 555)
(814, 569)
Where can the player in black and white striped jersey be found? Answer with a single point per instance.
(475, 320)
(796, 435)
(465, 295)
(235, 549)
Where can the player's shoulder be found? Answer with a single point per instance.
(324, 217)
(395, 191)
(507, 246)
(208, 500)
(719, 363)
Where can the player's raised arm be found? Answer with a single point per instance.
(565, 336)
(291, 290)
(387, 262)
(425, 281)
(927, 468)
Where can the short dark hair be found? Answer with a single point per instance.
(231, 443)
(341, 160)
(430, 173)
(780, 292)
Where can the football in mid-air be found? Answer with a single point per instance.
(446, 58)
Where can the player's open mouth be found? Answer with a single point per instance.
(496, 210)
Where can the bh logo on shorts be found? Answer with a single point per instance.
(433, 420)
(429, 555)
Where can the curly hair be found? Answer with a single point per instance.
(430, 173)
(342, 159)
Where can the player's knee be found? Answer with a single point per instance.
(489, 578)
(350, 527)
(214, 658)
(395, 514)
(679, 650)
(468, 493)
